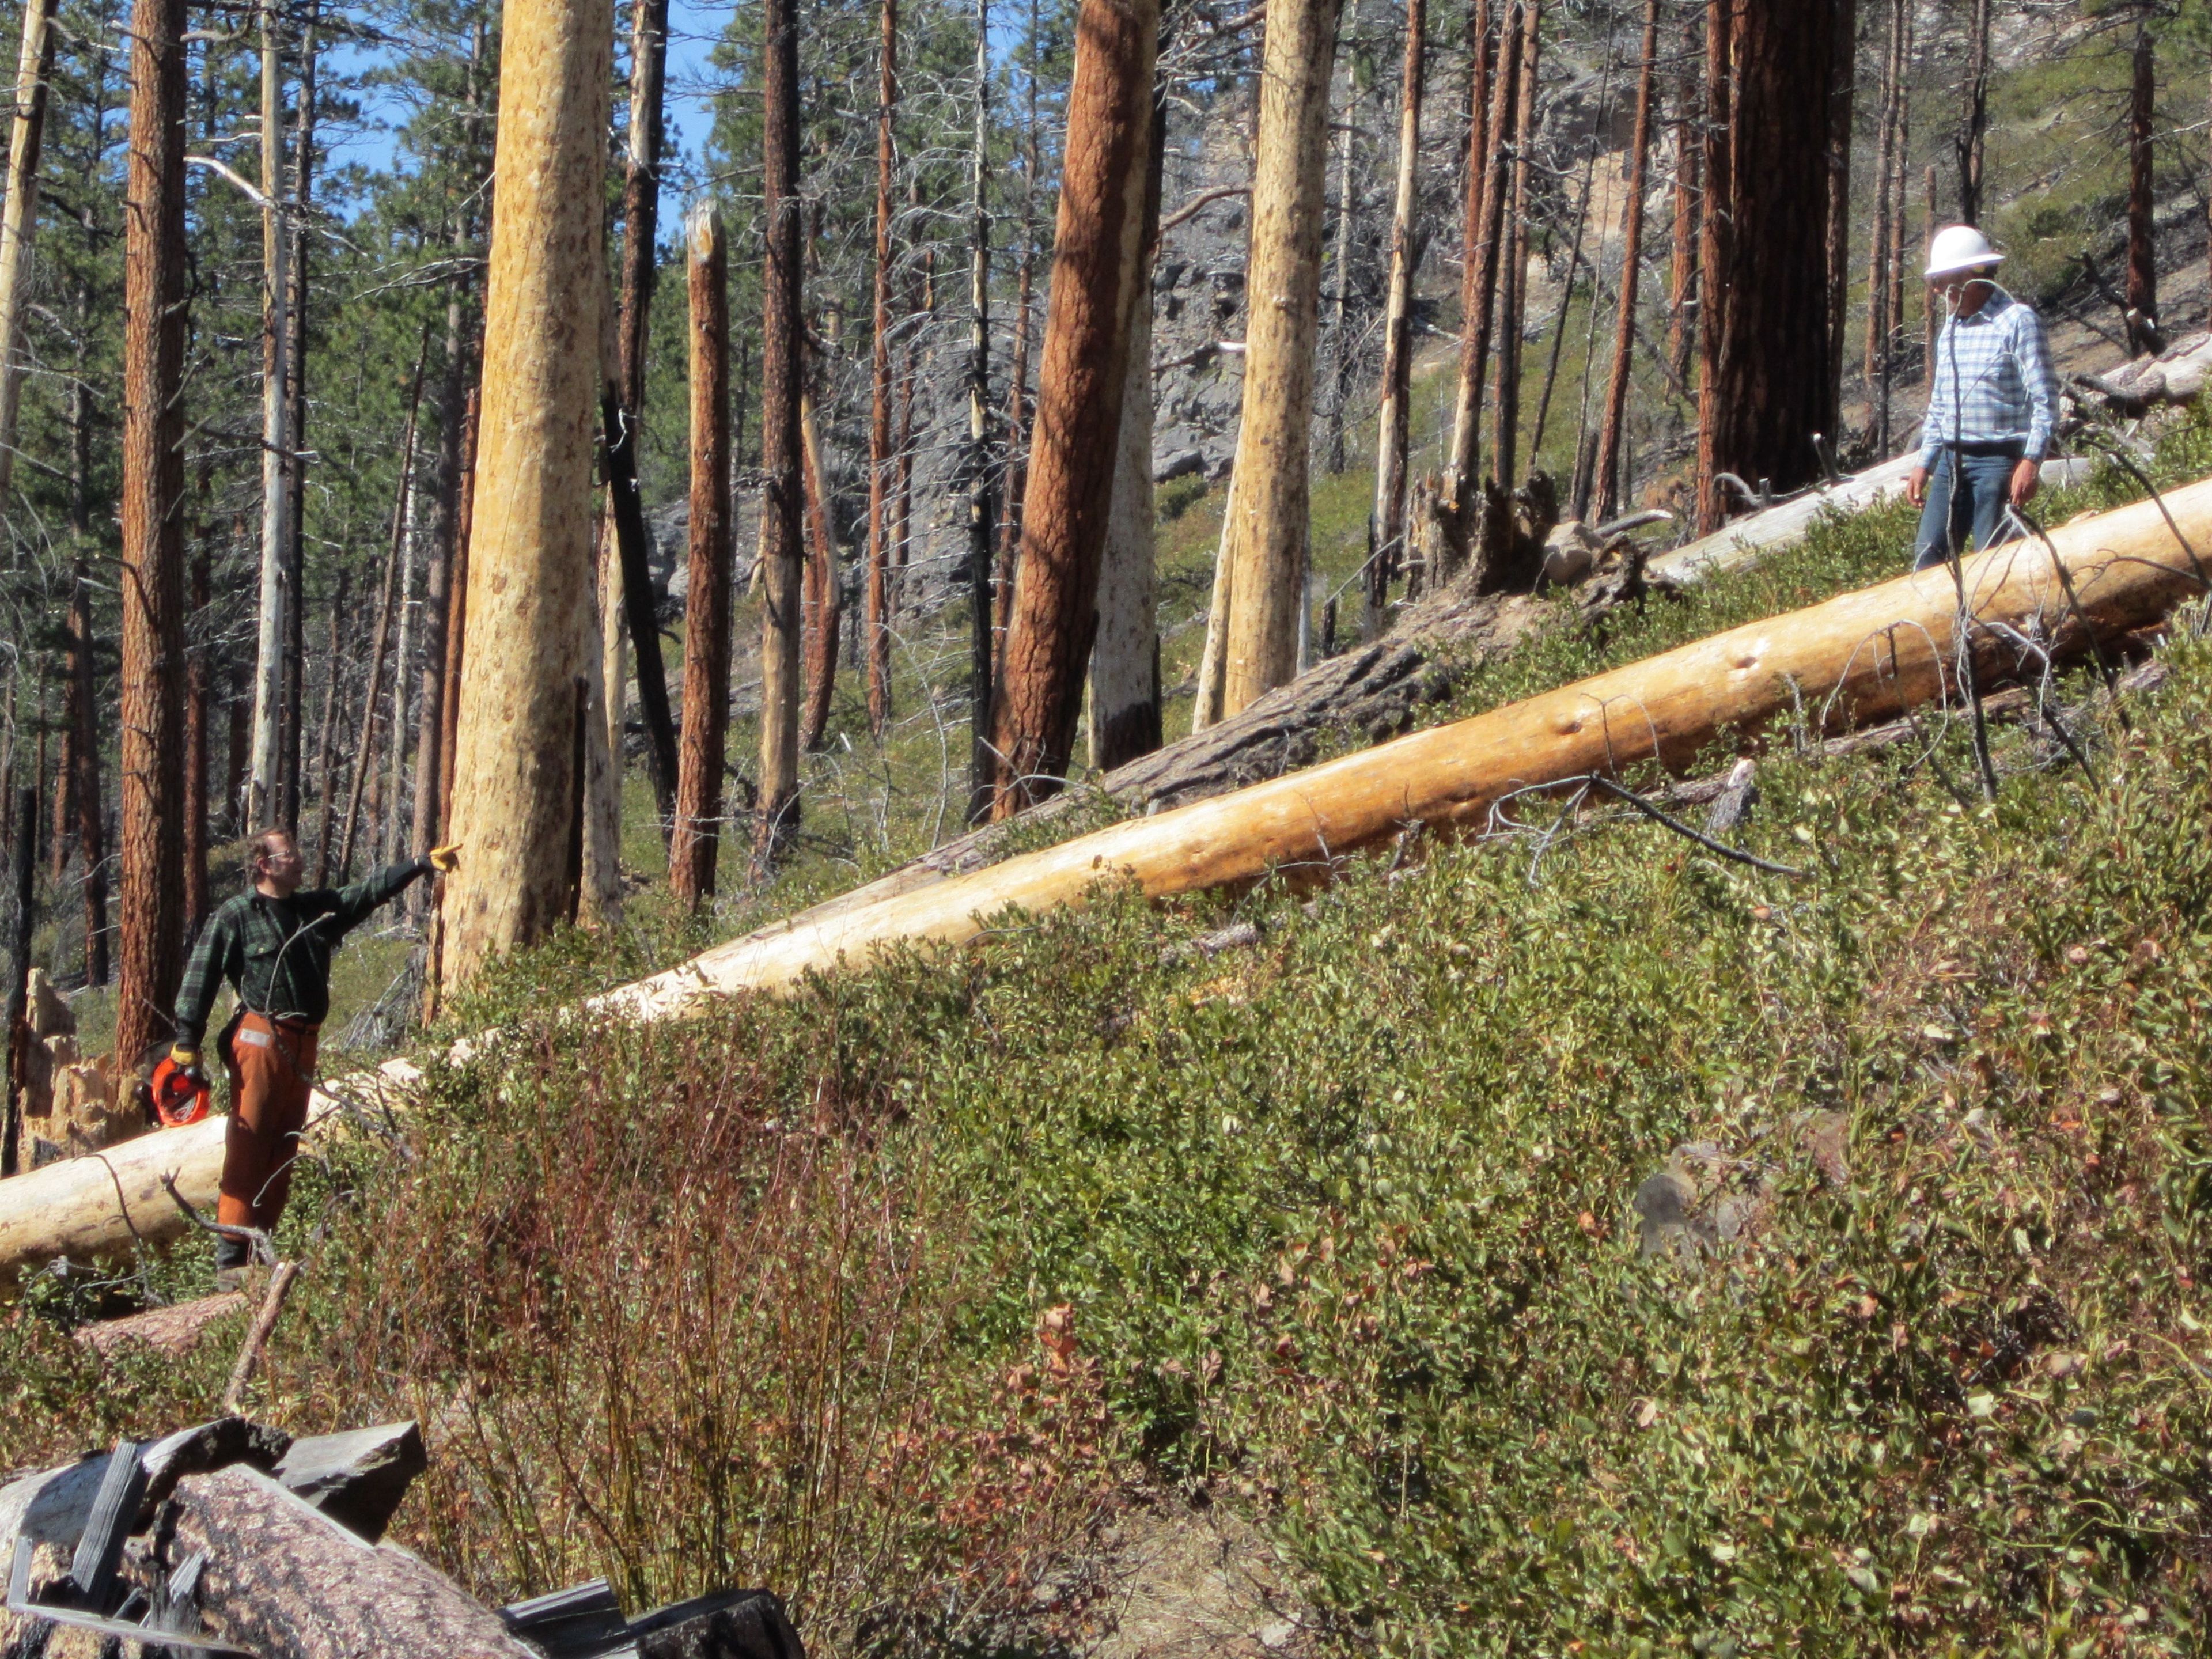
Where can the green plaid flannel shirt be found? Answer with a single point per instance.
(278, 952)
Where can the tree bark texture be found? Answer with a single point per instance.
(265, 787)
(437, 592)
(1612, 425)
(1479, 281)
(1125, 659)
(822, 594)
(516, 790)
(285, 1582)
(1766, 266)
(1842, 85)
(1689, 195)
(698, 833)
(2143, 245)
(880, 466)
(1386, 545)
(1974, 111)
(152, 577)
(19, 214)
(1083, 378)
(782, 369)
(1263, 540)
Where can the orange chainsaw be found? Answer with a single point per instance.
(180, 1093)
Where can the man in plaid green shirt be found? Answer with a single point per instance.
(273, 945)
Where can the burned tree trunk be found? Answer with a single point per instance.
(1263, 541)
(822, 597)
(1125, 660)
(1881, 262)
(153, 586)
(781, 491)
(1386, 542)
(1974, 114)
(1767, 268)
(1485, 207)
(517, 795)
(982, 762)
(1842, 84)
(1513, 277)
(1608, 466)
(266, 787)
(697, 837)
(880, 407)
(2143, 332)
(1689, 153)
(1083, 378)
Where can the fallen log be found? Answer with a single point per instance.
(1855, 660)
(282, 1580)
(1858, 659)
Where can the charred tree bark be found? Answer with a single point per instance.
(1083, 378)
(517, 794)
(1689, 196)
(982, 762)
(1608, 464)
(1263, 541)
(1842, 85)
(1124, 659)
(1974, 115)
(1387, 541)
(153, 587)
(2144, 331)
(1486, 208)
(822, 599)
(782, 492)
(19, 214)
(881, 480)
(1513, 284)
(693, 848)
(1768, 273)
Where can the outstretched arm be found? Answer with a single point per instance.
(355, 901)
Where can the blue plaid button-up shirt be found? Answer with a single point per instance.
(1993, 382)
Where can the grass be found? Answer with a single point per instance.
(883, 1294)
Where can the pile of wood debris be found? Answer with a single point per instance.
(233, 1537)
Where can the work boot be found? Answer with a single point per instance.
(233, 1257)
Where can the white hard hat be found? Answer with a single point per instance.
(1959, 247)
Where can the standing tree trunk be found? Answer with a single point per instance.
(1386, 542)
(1263, 541)
(1017, 366)
(782, 369)
(2143, 332)
(365, 747)
(1841, 88)
(1513, 279)
(879, 408)
(91, 824)
(397, 770)
(19, 214)
(295, 559)
(698, 831)
(196, 738)
(1880, 262)
(1608, 466)
(1340, 325)
(1125, 660)
(326, 744)
(437, 591)
(1931, 314)
(152, 581)
(1486, 210)
(981, 596)
(24, 850)
(822, 595)
(1689, 195)
(266, 785)
(517, 796)
(1083, 378)
(1715, 253)
(1768, 276)
(1974, 115)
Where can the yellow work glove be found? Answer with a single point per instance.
(445, 860)
(185, 1059)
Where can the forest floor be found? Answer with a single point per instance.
(1608, 1250)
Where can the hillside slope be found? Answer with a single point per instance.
(1573, 1243)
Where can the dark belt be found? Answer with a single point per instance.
(2012, 448)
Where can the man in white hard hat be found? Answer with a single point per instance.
(1992, 404)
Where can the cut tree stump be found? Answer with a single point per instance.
(285, 1581)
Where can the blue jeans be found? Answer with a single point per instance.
(1985, 482)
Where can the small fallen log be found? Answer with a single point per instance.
(175, 1331)
(2175, 375)
(283, 1580)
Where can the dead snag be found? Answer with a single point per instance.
(879, 381)
(781, 491)
(1386, 546)
(516, 788)
(1609, 466)
(706, 607)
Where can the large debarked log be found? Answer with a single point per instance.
(1857, 659)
